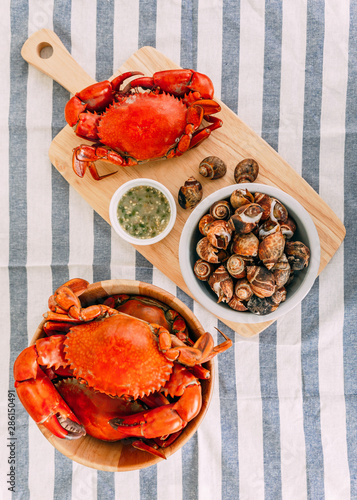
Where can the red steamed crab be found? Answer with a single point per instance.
(131, 127)
(111, 374)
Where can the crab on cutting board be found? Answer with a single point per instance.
(132, 127)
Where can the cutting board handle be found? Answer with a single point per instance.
(55, 61)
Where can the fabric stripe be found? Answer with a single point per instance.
(190, 450)
(60, 224)
(229, 425)
(311, 397)
(270, 409)
(209, 433)
(292, 82)
(310, 312)
(350, 292)
(127, 485)
(83, 27)
(147, 23)
(333, 411)
(250, 420)
(267, 352)
(126, 31)
(168, 29)
(5, 306)
(209, 47)
(292, 439)
(18, 224)
(102, 230)
(230, 53)
(251, 63)
(39, 254)
(272, 64)
(189, 16)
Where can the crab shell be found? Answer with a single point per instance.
(143, 126)
(118, 356)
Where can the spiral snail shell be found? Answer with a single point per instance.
(243, 290)
(246, 171)
(241, 197)
(209, 253)
(236, 304)
(261, 280)
(205, 223)
(220, 210)
(203, 269)
(212, 167)
(281, 271)
(190, 193)
(245, 245)
(298, 255)
(271, 248)
(219, 233)
(222, 284)
(245, 218)
(236, 266)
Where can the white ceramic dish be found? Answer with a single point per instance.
(114, 204)
(297, 290)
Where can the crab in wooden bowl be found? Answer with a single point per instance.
(118, 375)
(249, 253)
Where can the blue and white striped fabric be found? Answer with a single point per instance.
(282, 423)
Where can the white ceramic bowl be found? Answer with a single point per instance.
(114, 204)
(296, 291)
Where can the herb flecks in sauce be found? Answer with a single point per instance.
(143, 212)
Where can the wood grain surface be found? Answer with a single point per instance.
(233, 142)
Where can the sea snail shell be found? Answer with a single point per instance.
(205, 223)
(190, 193)
(220, 210)
(222, 284)
(212, 167)
(236, 266)
(203, 269)
(245, 218)
(219, 233)
(246, 171)
(209, 253)
(261, 280)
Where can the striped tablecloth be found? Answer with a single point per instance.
(282, 423)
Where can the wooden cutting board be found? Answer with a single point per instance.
(233, 142)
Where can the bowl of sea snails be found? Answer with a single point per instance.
(249, 253)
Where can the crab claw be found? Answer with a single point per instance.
(170, 418)
(38, 395)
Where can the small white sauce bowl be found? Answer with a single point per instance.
(119, 193)
(296, 291)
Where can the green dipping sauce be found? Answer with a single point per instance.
(143, 212)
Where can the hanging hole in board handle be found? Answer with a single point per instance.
(44, 50)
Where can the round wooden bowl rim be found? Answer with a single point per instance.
(120, 455)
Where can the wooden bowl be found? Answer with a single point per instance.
(120, 455)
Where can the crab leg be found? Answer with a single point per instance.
(177, 82)
(84, 157)
(203, 350)
(66, 307)
(37, 393)
(170, 418)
